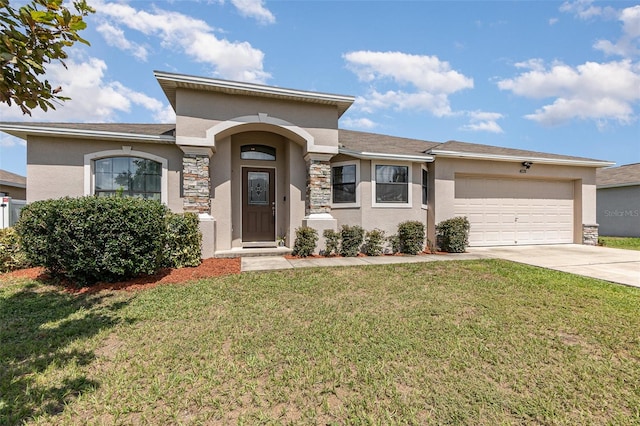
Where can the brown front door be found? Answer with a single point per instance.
(258, 205)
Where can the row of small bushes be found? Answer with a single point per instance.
(351, 240)
(12, 257)
(452, 236)
(91, 239)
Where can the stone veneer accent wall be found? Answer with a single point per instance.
(590, 235)
(318, 198)
(196, 183)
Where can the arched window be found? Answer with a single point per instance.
(130, 176)
(257, 152)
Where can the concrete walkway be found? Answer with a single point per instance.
(615, 265)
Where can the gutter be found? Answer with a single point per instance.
(383, 156)
(22, 131)
(535, 160)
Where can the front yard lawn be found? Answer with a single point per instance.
(629, 243)
(461, 342)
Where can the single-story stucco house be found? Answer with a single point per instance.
(618, 200)
(257, 162)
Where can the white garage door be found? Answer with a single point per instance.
(515, 211)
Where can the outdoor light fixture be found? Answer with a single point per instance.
(526, 165)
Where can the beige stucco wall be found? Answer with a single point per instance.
(198, 112)
(619, 211)
(384, 218)
(55, 166)
(14, 192)
(444, 171)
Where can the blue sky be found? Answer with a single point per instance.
(561, 77)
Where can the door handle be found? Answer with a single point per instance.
(273, 208)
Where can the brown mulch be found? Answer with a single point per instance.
(208, 268)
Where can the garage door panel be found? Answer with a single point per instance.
(515, 211)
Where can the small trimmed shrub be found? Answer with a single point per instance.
(411, 237)
(306, 239)
(453, 234)
(394, 243)
(90, 239)
(12, 256)
(182, 240)
(332, 242)
(351, 240)
(373, 242)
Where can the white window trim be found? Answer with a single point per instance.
(347, 205)
(424, 167)
(409, 203)
(125, 151)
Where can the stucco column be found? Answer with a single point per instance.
(318, 199)
(196, 187)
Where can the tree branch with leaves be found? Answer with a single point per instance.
(31, 37)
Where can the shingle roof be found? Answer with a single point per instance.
(8, 178)
(623, 175)
(372, 142)
(496, 150)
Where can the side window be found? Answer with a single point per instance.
(425, 183)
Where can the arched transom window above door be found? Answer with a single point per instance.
(257, 152)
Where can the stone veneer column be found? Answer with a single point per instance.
(196, 183)
(590, 234)
(196, 196)
(318, 199)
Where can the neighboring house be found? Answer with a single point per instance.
(13, 185)
(257, 162)
(618, 199)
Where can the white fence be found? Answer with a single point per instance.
(10, 211)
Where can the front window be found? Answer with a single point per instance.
(343, 180)
(129, 176)
(392, 184)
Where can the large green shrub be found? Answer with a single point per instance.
(332, 242)
(12, 256)
(90, 239)
(182, 240)
(411, 237)
(453, 234)
(373, 242)
(306, 239)
(350, 240)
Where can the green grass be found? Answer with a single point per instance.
(470, 342)
(629, 243)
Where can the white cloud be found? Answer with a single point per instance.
(628, 44)
(482, 121)
(591, 91)
(553, 21)
(8, 141)
(93, 98)
(430, 81)
(584, 9)
(254, 9)
(114, 36)
(192, 37)
(358, 123)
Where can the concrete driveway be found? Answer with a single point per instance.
(609, 264)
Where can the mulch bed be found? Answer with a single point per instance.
(208, 268)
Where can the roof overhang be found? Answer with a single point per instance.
(384, 156)
(617, 185)
(169, 82)
(517, 158)
(13, 184)
(21, 131)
